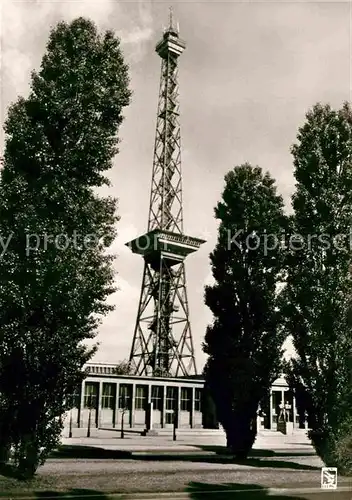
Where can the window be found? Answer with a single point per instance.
(198, 399)
(171, 398)
(125, 396)
(140, 401)
(157, 397)
(90, 395)
(185, 399)
(109, 395)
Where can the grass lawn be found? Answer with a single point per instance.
(99, 484)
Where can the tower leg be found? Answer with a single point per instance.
(162, 343)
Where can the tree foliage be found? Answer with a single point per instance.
(56, 271)
(123, 368)
(316, 302)
(244, 343)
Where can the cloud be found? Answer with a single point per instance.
(25, 27)
(137, 36)
(209, 279)
(126, 233)
(116, 332)
(138, 32)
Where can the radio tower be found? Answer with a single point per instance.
(162, 343)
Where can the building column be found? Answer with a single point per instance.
(193, 393)
(133, 404)
(178, 406)
(294, 410)
(149, 410)
(81, 406)
(271, 409)
(100, 397)
(116, 410)
(283, 401)
(149, 424)
(163, 413)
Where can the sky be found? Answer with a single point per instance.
(249, 74)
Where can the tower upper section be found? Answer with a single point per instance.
(165, 212)
(162, 342)
(170, 43)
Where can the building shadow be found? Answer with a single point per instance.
(89, 452)
(74, 493)
(232, 490)
(222, 450)
(96, 453)
(117, 431)
(213, 459)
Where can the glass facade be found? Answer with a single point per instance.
(109, 396)
(157, 397)
(125, 396)
(170, 398)
(140, 400)
(91, 390)
(198, 399)
(186, 399)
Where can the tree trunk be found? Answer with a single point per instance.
(5, 449)
(28, 460)
(240, 435)
(5, 443)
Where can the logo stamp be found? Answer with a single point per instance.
(329, 478)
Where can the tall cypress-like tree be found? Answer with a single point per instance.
(316, 302)
(244, 343)
(56, 272)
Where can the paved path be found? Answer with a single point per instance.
(177, 464)
(188, 443)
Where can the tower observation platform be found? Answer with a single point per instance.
(162, 343)
(172, 247)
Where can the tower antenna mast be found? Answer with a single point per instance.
(170, 17)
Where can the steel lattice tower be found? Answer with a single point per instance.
(162, 343)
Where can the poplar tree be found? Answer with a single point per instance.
(244, 342)
(56, 271)
(316, 303)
